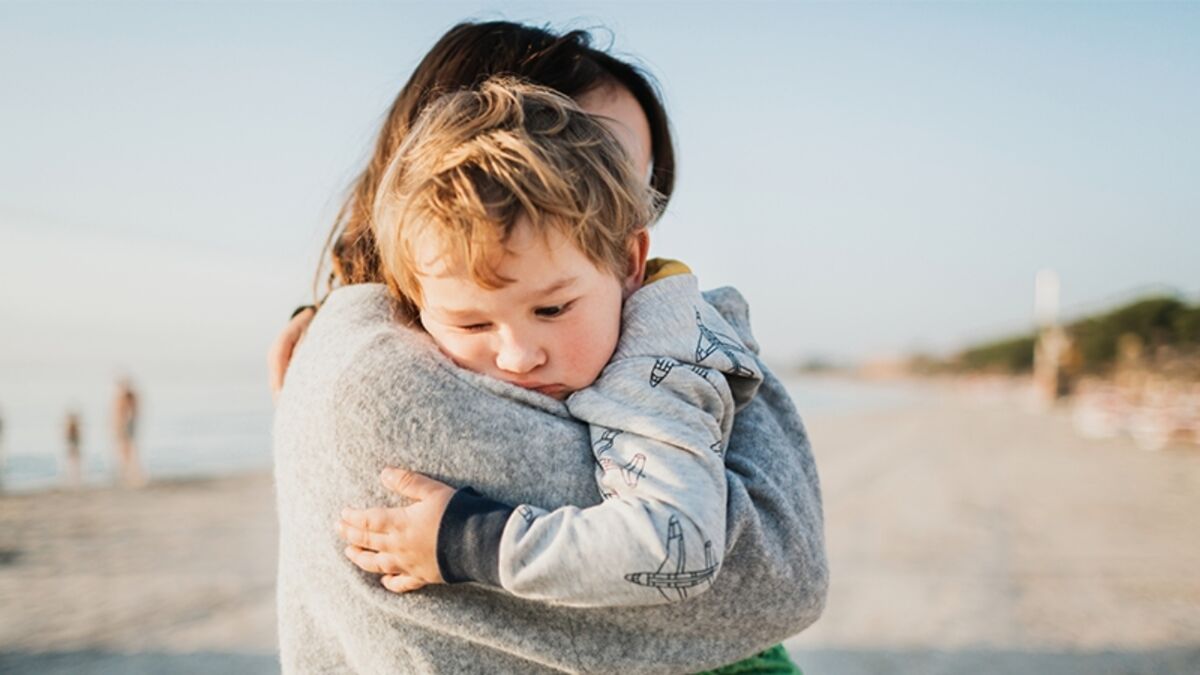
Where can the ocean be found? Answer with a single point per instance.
(190, 423)
(219, 422)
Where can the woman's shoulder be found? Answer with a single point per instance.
(357, 338)
(351, 309)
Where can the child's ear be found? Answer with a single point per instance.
(639, 249)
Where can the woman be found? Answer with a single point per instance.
(365, 393)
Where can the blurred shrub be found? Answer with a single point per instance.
(1153, 320)
(1187, 326)
(1157, 322)
(1011, 355)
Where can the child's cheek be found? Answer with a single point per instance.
(587, 350)
(466, 351)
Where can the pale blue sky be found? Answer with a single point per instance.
(874, 178)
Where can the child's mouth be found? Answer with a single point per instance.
(552, 390)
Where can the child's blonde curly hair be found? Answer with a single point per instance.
(478, 159)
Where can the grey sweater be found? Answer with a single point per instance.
(660, 417)
(364, 392)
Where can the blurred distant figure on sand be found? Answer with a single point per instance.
(1056, 365)
(73, 471)
(1, 450)
(1056, 357)
(125, 414)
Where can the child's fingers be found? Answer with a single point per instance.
(375, 520)
(411, 484)
(401, 583)
(372, 561)
(362, 538)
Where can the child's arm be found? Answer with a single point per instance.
(659, 428)
(659, 536)
(656, 538)
(660, 416)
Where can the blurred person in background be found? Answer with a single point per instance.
(73, 471)
(125, 417)
(2, 456)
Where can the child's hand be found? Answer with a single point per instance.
(399, 543)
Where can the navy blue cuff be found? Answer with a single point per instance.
(468, 542)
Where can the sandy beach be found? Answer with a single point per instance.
(969, 534)
(965, 534)
(177, 577)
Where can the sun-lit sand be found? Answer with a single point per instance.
(175, 577)
(968, 534)
(965, 533)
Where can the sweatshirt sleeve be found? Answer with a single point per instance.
(659, 469)
(660, 417)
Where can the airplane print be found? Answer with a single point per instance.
(631, 472)
(711, 341)
(662, 368)
(677, 579)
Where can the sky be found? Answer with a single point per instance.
(875, 179)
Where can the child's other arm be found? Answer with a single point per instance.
(657, 537)
(660, 533)
(661, 414)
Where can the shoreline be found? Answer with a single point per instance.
(100, 482)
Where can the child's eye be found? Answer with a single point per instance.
(551, 312)
(475, 327)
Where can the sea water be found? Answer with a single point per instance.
(190, 422)
(200, 422)
(835, 394)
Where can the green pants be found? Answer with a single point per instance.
(773, 661)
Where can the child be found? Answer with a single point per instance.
(513, 226)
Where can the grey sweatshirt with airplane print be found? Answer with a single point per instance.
(660, 416)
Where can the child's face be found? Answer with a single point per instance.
(553, 329)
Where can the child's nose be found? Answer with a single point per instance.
(519, 356)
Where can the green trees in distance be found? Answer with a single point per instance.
(1153, 320)
(1156, 321)
(1010, 355)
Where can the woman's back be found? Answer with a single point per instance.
(363, 393)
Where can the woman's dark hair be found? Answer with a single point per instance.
(465, 56)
